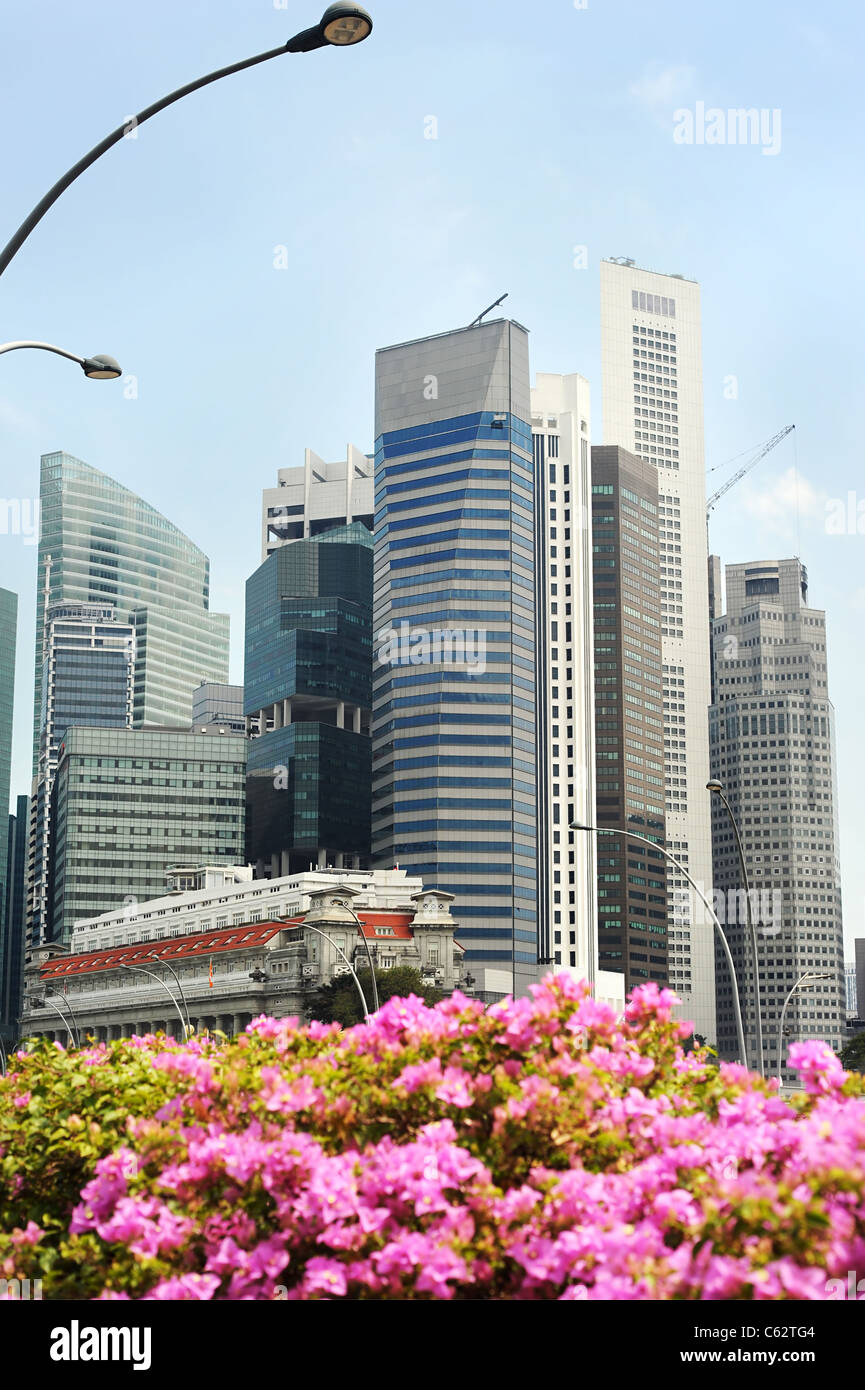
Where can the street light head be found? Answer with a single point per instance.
(343, 25)
(578, 825)
(715, 786)
(101, 368)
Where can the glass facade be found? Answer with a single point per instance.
(101, 544)
(8, 635)
(454, 675)
(633, 908)
(87, 679)
(12, 926)
(308, 678)
(127, 805)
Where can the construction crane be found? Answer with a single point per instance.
(760, 454)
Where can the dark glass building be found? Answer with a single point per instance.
(12, 923)
(308, 681)
(629, 713)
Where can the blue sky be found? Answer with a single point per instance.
(554, 130)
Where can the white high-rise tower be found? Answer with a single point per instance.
(652, 388)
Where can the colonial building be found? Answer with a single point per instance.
(221, 948)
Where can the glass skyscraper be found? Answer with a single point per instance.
(308, 680)
(87, 678)
(114, 575)
(12, 925)
(454, 737)
(101, 544)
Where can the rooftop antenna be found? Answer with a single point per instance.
(476, 321)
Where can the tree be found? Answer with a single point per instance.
(853, 1055)
(339, 1002)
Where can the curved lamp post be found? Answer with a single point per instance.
(155, 957)
(139, 969)
(101, 368)
(40, 1004)
(717, 789)
(341, 26)
(630, 835)
(365, 940)
(304, 926)
(68, 1002)
(804, 982)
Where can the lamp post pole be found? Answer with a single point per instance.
(67, 1001)
(304, 926)
(630, 835)
(157, 958)
(804, 982)
(365, 940)
(139, 970)
(341, 26)
(40, 1003)
(717, 789)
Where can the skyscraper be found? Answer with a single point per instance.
(653, 406)
(308, 686)
(87, 678)
(12, 924)
(773, 749)
(632, 887)
(100, 544)
(8, 637)
(454, 734)
(110, 560)
(567, 898)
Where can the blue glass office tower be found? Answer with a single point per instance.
(454, 756)
(308, 680)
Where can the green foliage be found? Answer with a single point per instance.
(339, 1002)
(853, 1055)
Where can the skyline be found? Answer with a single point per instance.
(200, 443)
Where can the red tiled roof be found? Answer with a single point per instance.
(246, 935)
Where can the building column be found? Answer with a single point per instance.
(274, 866)
(356, 719)
(286, 713)
(340, 714)
(277, 714)
(285, 864)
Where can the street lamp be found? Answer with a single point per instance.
(717, 789)
(305, 926)
(139, 970)
(100, 368)
(630, 835)
(40, 1004)
(68, 1002)
(154, 956)
(806, 981)
(341, 26)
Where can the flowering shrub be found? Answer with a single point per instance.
(538, 1150)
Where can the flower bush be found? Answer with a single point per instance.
(537, 1150)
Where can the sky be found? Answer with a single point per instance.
(246, 253)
